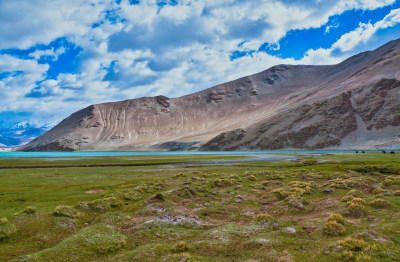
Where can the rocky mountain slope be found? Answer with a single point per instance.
(352, 104)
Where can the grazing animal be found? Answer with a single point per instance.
(392, 152)
(363, 152)
(357, 152)
(383, 151)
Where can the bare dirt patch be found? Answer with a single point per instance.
(94, 191)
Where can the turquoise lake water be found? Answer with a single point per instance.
(92, 154)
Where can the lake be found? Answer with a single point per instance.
(167, 153)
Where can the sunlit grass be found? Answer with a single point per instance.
(275, 211)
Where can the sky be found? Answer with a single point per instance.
(58, 56)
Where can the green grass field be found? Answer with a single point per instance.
(155, 209)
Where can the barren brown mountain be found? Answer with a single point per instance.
(354, 104)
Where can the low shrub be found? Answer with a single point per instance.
(66, 211)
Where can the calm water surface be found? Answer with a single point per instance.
(92, 154)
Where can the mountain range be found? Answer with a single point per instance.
(353, 104)
(16, 134)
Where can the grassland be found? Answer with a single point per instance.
(330, 208)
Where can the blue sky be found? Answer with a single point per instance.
(59, 56)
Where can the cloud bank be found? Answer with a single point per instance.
(59, 56)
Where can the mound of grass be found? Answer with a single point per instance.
(133, 195)
(113, 218)
(252, 177)
(30, 210)
(87, 244)
(356, 201)
(356, 210)
(337, 218)
(66, 211)
(354, 249)
(180, 247)
(100, 205)
(66, 222)
(157, 197)
(222, 182)
(379, 203)
(347, 198)
(281, 193)
(6, 229)
(185, 192)
(378, 191)
(333, 228)
(354, 193)
(182, 257)
(113, 201)
(264, 218)
(296, 202)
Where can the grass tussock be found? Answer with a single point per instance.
(66, 211)
(6, 229)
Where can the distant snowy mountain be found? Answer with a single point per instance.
(15, 134)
